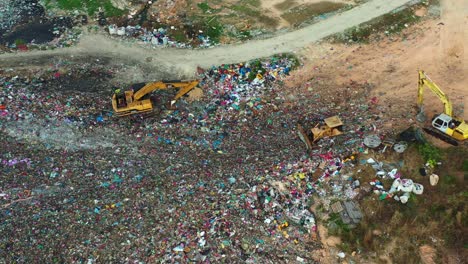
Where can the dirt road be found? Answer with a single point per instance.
(181, 63)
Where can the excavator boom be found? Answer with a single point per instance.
(153, 86)
(425, 81)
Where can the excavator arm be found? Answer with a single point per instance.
(425, 81)
(132, 102)
(185, 86)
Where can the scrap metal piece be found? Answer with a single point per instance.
(351, 214)
(372, 141)
(400, 147)
(337, 207)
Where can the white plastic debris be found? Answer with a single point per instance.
(112, 29)
(395, 186)
(121, 31)
(380, 173)
(178, 249)
(300, 259)
(392, 173)
(400, 147)
(418, 188)
(434, 179)
(202, 242)
(406, 185)
(341, 255)
(404, 198)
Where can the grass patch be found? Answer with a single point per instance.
(178, 35)
(47, 4)
(19, 42)
(204, 7)
(430, 153)
(245, 10)
(91, 7)
(448, 180)
(213, 28)
(391, 23)
(255, 14)
(299, 14)
(285, 5)
(254, 3)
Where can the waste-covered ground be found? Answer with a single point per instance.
(213, 180)
(225, 178)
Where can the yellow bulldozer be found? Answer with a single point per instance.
(331, 126)
(137, 99)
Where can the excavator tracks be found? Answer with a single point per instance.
(441, 136)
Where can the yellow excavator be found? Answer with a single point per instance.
(137, 100)
(445, 126)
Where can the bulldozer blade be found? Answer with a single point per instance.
(133, 112)
(303, 136)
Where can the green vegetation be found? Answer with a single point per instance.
(391, 23)
(178, 35)
(431, 154)
(465, 166)
(299, 14)
(47, 4)
(338, 227)
(213, 28)
(204, 7)
(255, 14)
(19, 42)
(91, 7)
(291, 57)
(254, 3)
(285, 5)
(256, 67)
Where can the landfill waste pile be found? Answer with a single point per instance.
(157, 37)
(221, 179)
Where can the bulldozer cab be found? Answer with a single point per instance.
(333, 122)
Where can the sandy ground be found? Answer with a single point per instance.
(270, 7)
(391, 65)
(173, 62)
